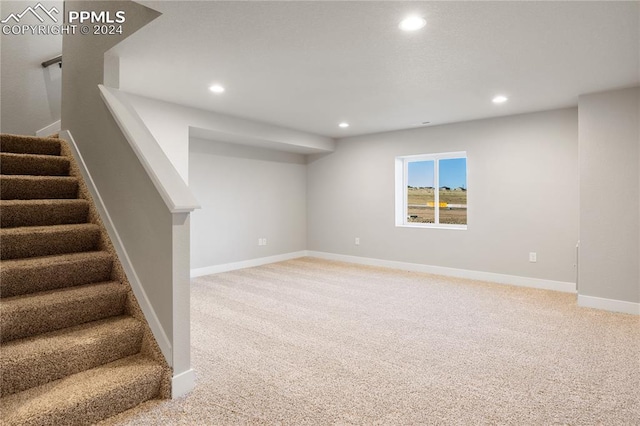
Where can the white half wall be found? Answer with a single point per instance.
(246, 194)
(523, 197)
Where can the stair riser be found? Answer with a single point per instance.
(18, 246)
(25, 373)
(31, 189)
(43, 214)
(19, 281)
(29, 145)
(17, 324)
(35, 166)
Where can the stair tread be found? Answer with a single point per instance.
(29, 144)
(34, 241)
(17, 164)
(59, 296)
(31, 262)
(48, 229)
(36, 360)
(49, 343)
(38, 187)
(88, 396)
(35, 274)
(34, 156)
(36, 313)
(44, 201)
(43, 212)
(39, 178)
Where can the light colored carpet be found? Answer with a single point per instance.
(312, 342)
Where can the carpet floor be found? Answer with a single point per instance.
(313, 342)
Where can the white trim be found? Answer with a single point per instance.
(566, 287)
(609, 304)
(147, 308)
(51, 129)
(433, 226)
(182, 383)
(173, 190)
(214, 269)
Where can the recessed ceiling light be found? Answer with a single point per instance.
(343, 125)
(500, 99)
(216, 88)
(426, 122)
(412, 23)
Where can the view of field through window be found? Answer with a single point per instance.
(452, 193)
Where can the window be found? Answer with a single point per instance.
(426, 181)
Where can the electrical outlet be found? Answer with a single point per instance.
(533, 257)
(264, 241)
(357, 241)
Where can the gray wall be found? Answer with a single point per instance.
(523, 196)
(609, 200)
(30, 94)
(246, 193)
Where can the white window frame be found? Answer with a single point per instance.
(401, 189)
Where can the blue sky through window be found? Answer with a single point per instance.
(453, 173)
(420, 173)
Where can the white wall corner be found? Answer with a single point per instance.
(214, 269)
(565, 287)
(609, 304)
(49, 130)
(147, 308)
(182, 383)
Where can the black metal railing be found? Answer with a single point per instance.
(56, 60)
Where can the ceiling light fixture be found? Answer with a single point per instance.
(343, 125)
(500, 99)
(216, 88)
(412, 23)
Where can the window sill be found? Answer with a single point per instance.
(433, 226)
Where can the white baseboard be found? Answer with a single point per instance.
(51, 129)
(138, 290)
(182, 383)
(609, 304)
(566, 287)
(208, 270)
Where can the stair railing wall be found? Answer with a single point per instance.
(147, 224)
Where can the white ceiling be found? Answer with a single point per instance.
(311, 65)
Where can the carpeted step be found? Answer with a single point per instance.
(32, 362)
(29, 145)
(32, 314)
(32, 275)
(32, 241)
(31, 164)
(19, 187)
(86, 397)
(16, 213)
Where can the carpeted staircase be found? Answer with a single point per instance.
(74, 346)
